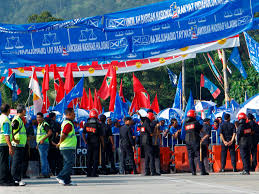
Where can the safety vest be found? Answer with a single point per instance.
(71, 141)
(4, 119)
(41, 133)
(19, 133)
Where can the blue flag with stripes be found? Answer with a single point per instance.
(236, 60)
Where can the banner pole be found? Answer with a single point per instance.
(226, 88)
(183, 83)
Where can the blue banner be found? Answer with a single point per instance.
(172, 77)
(131, 34)
(253, 49)
(236, 60)
(178, 103)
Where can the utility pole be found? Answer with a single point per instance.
(226, 88)
(183, 84)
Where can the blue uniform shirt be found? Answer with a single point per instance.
(7, 130)
(173, 131)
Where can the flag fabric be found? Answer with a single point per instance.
(172, 77)
(90, 101)
(178, 102)
(253, 50)
(68, 74)
(155, 105)
(62, 105)
(212, 64)
(113, 88)
(121, 92)
(97, 103)
(35, 88)
(118, 108)
(14, 87)
(104, 92)
(58, 85)
(76, 92)
(141, 95)
(45, 88)
(190, 106)
(206, 83)
(221, 58)
(134, 104)
(84, 101)
(236, 60)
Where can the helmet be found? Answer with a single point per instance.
(241, 116)
(151, 116)
(191, 113)
(93, 113)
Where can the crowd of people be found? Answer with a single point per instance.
(54, 144)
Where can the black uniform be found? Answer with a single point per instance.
(244, 140)
(146, 131)
(227, 129)
(107, 152)
(192, 139)
(126, 144)
(255, 139)
(206, 131)
(94, 131)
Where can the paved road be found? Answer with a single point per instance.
(136, 184)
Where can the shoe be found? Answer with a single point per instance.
(155, 174)
(60, 181)
(234, 170)
(245, 173)
(20, 183)
(194, 173)
(205, 173)
(70, 184)
(222, 170)
(147, 174)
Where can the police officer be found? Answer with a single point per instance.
(94, 135)
(244, 140)
(18, 143)
(255, 139)
(5, 147)
(67, 145)
(146, 131)
(205, 137)
(193, 141)
(127, 145)
(42, 139)
(227, 135)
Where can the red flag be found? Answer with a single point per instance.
(97, 102)
(202, 81)
(84, 101)
(155, 105)
(134, 105)
(104, 91)
(68, 74)
(121, 92)
(141, 94)
(45, 88)
(90, 101)
(58, 85)
(113, 87)
(46, 103)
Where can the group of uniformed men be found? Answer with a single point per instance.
(13, 140)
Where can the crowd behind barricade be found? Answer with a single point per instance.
(111, 145)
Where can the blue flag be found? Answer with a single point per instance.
(62, 105)
(178, 94)
(190, 106)
(14, 87)
(236, 60)
(172, 77)
(253, 50)
(118, 109)
(76, 92)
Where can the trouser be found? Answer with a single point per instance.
(5, 173)
(43, 151)
(254, 154)
(68, 163)
(149, 159)
(157, 158)
(55, 160)
(224, 150)
(92, 159)
(194, 151)
(17, 160)
(126, 150)
(25, 162)
(245, 155)
(107, 155)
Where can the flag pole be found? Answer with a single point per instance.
(200, 92)
(183, 83)
(226, 88)
(28, 97)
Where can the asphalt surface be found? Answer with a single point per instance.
(223, 183)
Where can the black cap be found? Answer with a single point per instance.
(250, 116)
(206, 120)
(127, 119)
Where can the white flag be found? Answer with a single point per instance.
(37, 98)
